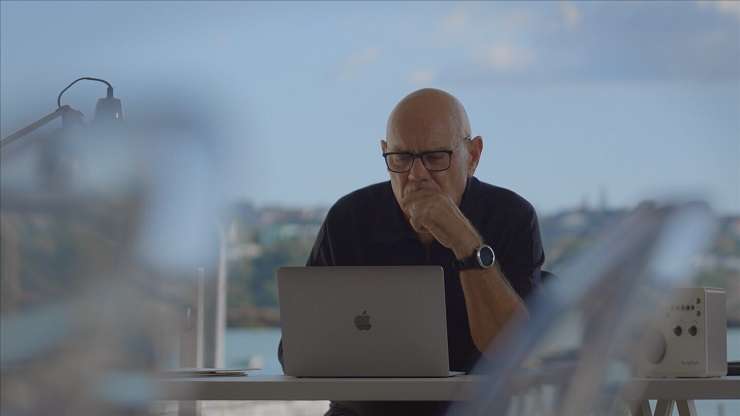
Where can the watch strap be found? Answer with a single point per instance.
(472, 262)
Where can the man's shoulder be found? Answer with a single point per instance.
(366, 199)
(497, 198)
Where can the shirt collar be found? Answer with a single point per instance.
(467, 202)
(389, 224)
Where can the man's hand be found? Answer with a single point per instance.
(432, 212)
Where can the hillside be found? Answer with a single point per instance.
(262, 240)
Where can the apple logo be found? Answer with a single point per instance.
(362, 322)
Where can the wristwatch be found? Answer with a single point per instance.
(482, 258)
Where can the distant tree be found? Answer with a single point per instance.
(292, 252)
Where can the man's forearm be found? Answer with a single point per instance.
(491, 303)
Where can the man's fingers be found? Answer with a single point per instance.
(417, 197)
(421, 215)
(416, 225)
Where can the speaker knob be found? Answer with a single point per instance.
(656, 345)
(678, 331)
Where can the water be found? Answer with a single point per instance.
(259, 345)
(255, 345)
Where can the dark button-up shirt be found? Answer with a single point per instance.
(368, 228)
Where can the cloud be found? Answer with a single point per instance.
(506, 57)
(455, 21)
(614, 42)
(470, 23)
(730, 7)
(571, 14)
(422, 77)
(357, 61)
(666, 42)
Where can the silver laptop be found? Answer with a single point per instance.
(363, 321)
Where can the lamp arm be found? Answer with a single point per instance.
(61, 111)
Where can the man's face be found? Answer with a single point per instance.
(450, 182)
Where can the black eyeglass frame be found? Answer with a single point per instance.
(420, 156)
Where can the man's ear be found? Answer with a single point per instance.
(383, 145)
(475, 148)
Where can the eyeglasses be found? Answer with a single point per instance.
(434, 161)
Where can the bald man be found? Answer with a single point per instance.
(433, 211)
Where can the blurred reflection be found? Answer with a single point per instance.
(104, 227)
(580, 345)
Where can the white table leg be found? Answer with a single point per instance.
(686, 408)
(664, 408)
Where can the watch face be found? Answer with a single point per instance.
(486, 257)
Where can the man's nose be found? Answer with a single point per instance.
(418, 170)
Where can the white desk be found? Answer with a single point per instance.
(291, 388)
(724, 388)
(668, 392)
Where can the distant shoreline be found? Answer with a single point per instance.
(253, 316)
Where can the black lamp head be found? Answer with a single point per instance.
(108, 109)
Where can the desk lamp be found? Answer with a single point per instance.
(107, 109)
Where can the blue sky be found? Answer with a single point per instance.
(571, 98)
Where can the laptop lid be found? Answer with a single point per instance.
(363, 321)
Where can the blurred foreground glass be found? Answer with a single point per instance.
(104, 231)
(587, 327)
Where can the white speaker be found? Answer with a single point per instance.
(689, 337)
